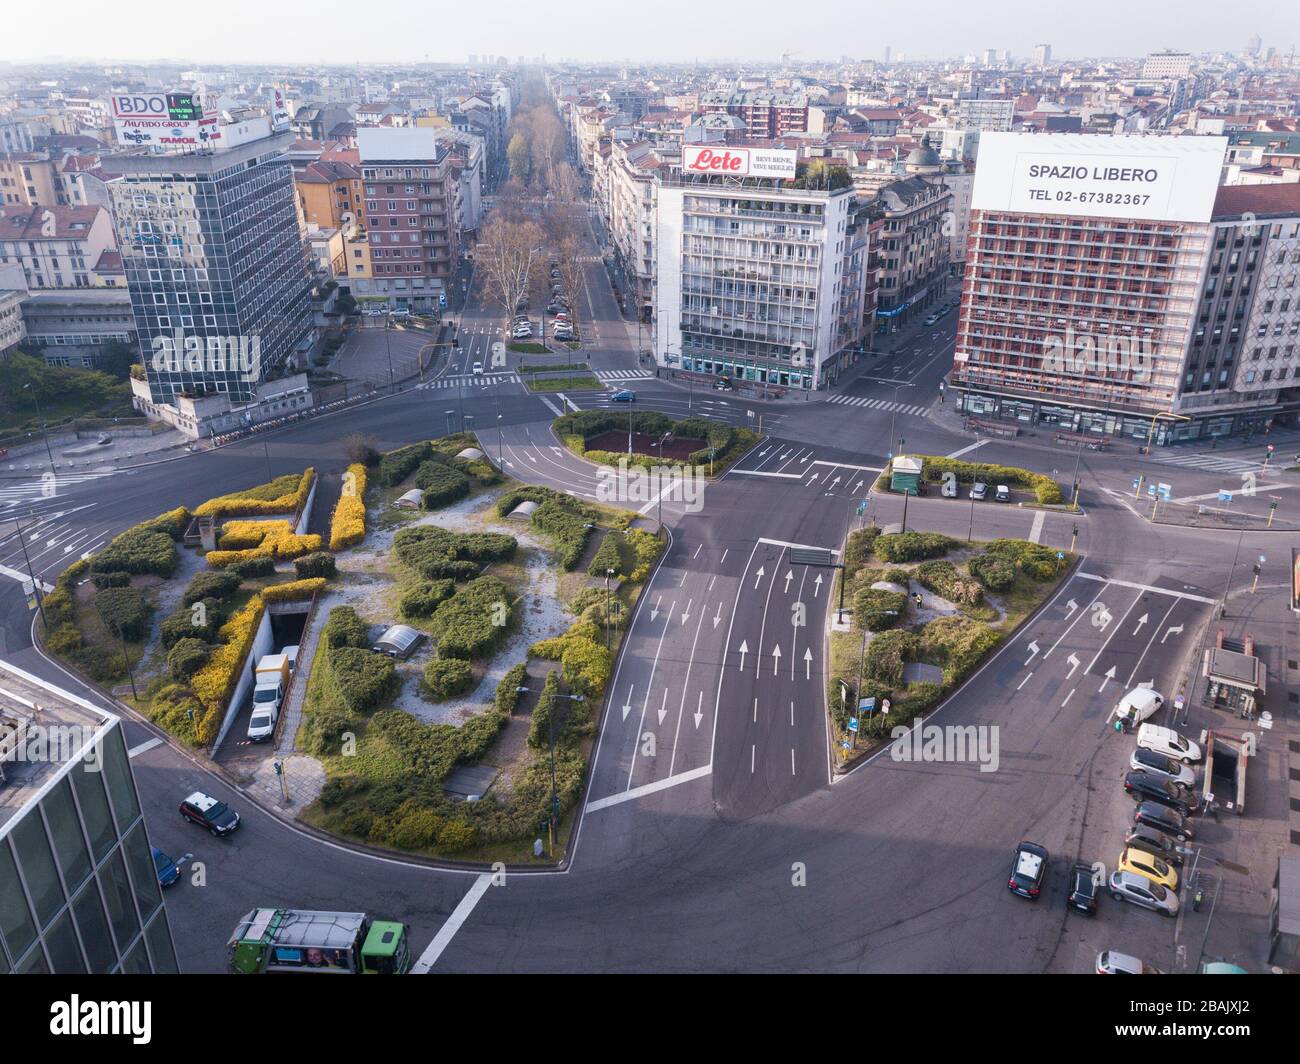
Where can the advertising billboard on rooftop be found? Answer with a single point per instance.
(1162, 178)
(739, 162)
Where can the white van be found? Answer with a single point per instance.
(1168, 742)
(261, 725)
(1138, 705)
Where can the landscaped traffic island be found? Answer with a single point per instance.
(706, 447)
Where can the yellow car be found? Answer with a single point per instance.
(1146, 864)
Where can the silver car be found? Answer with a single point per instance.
(1166, 768)
(1128, 886)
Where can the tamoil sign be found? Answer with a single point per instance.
(739, 162)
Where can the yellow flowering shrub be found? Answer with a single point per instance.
(294, 589)
(283, 495)
(214, 683)
(348, 522)
(242, 540)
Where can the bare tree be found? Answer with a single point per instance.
(506, 254)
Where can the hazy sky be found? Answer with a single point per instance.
(341, 31)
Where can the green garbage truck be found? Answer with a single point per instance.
(301, 940)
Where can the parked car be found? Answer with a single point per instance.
(1143, 760)
(1082, 896)
(169, 871)
(401, 313)
(1164, 820)
(1156, 843)
(1135, 859)
(291, 656)
(1144, 787)
(261, 725)
(931, 319)
(1002, 493)
(979, 491)
(1110, 962)
(723, 384)
(1129, 886)
(1138, 705)
(624, 396)
(1168, 742)
(207, 812)
(1028, 866)
(522, 332)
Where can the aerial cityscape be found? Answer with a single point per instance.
(823, 502)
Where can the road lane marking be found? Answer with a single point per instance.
(1036, 531)
(1172, 606)
(144, 747)
(1024, 681)
(1076, 620)
(1147, 587)
(649, 788)
(448, 930)
(1118, 628)
(967, 449)
(796, 546)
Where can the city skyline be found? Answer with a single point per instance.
(681, 32)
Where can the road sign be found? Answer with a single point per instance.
(853, 724)
(1225, 496)
(1137, 482)
(1060, 554)
(866, 706)
(811, 556)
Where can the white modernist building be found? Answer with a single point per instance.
(753, 279)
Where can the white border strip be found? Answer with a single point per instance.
(650, 788)
(448, 930)
(1147, 587)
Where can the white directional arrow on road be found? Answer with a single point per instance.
(817, 585)
(1110, 675)
(663, 709)
(654, 610)
(776, 658)
(744, 649)
(788, 578)
(812, 477)
(627, 706)
(1141, 621)
(717, 617)
(1033, 651)
(699, 710)
(687, 612)
(1173, 630)
(1070, 607)
(807, 664)
(1073, 662)
(758, 576)
(858, 486)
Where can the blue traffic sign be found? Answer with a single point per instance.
(853, 724)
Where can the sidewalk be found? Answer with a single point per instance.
(32, 459)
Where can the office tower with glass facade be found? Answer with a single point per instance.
(212, 248)
(79, 891)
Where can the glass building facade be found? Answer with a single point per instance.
(78, 889)
(212, 248)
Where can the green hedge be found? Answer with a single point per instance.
(441, 484)
(430, 550)
(210, 584)
(186, 657)
(1045, 489)
(541, 724)
(445, 678)
(1035, 561)
(317, 563)
(957, 644)
(125, 611)
(362, 679)
(138, 550)
(397, 465)
(566, 530)
(110, 579)
(608, 556)
(886, 655)
(422, 599)
(187, 622)
(912, 546)
(994, 572)
(878, 609)
(465, 625)
(345, 629)
(507, 696)
(947, 581)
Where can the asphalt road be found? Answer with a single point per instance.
(718, 843)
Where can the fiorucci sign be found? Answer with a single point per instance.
(739, 162)
(1162, 178)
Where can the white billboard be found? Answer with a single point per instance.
(170, 120)
(739, 162)
(1164, 178)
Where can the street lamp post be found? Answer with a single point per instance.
(388, 348)
(45, 434)
(36, 584)
(893, 417)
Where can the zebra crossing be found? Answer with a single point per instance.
(43, 487)
(1211, 463)
(623, 375)
(479, 380)
(879, 404)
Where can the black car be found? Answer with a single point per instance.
(1144, 787)
(1083, 890)
(1028, 866)
(1156, 843)
(207, 812)
(1163, 819)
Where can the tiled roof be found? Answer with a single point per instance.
(28, 223)
(1263, 201)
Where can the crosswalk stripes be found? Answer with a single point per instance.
(34, 489)
(879, 404)
(621, 374)
(482, 380)
(1211, 463)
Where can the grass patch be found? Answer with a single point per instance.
(579, 382)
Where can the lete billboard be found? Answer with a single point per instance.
(739, 162)
(1162, 178)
